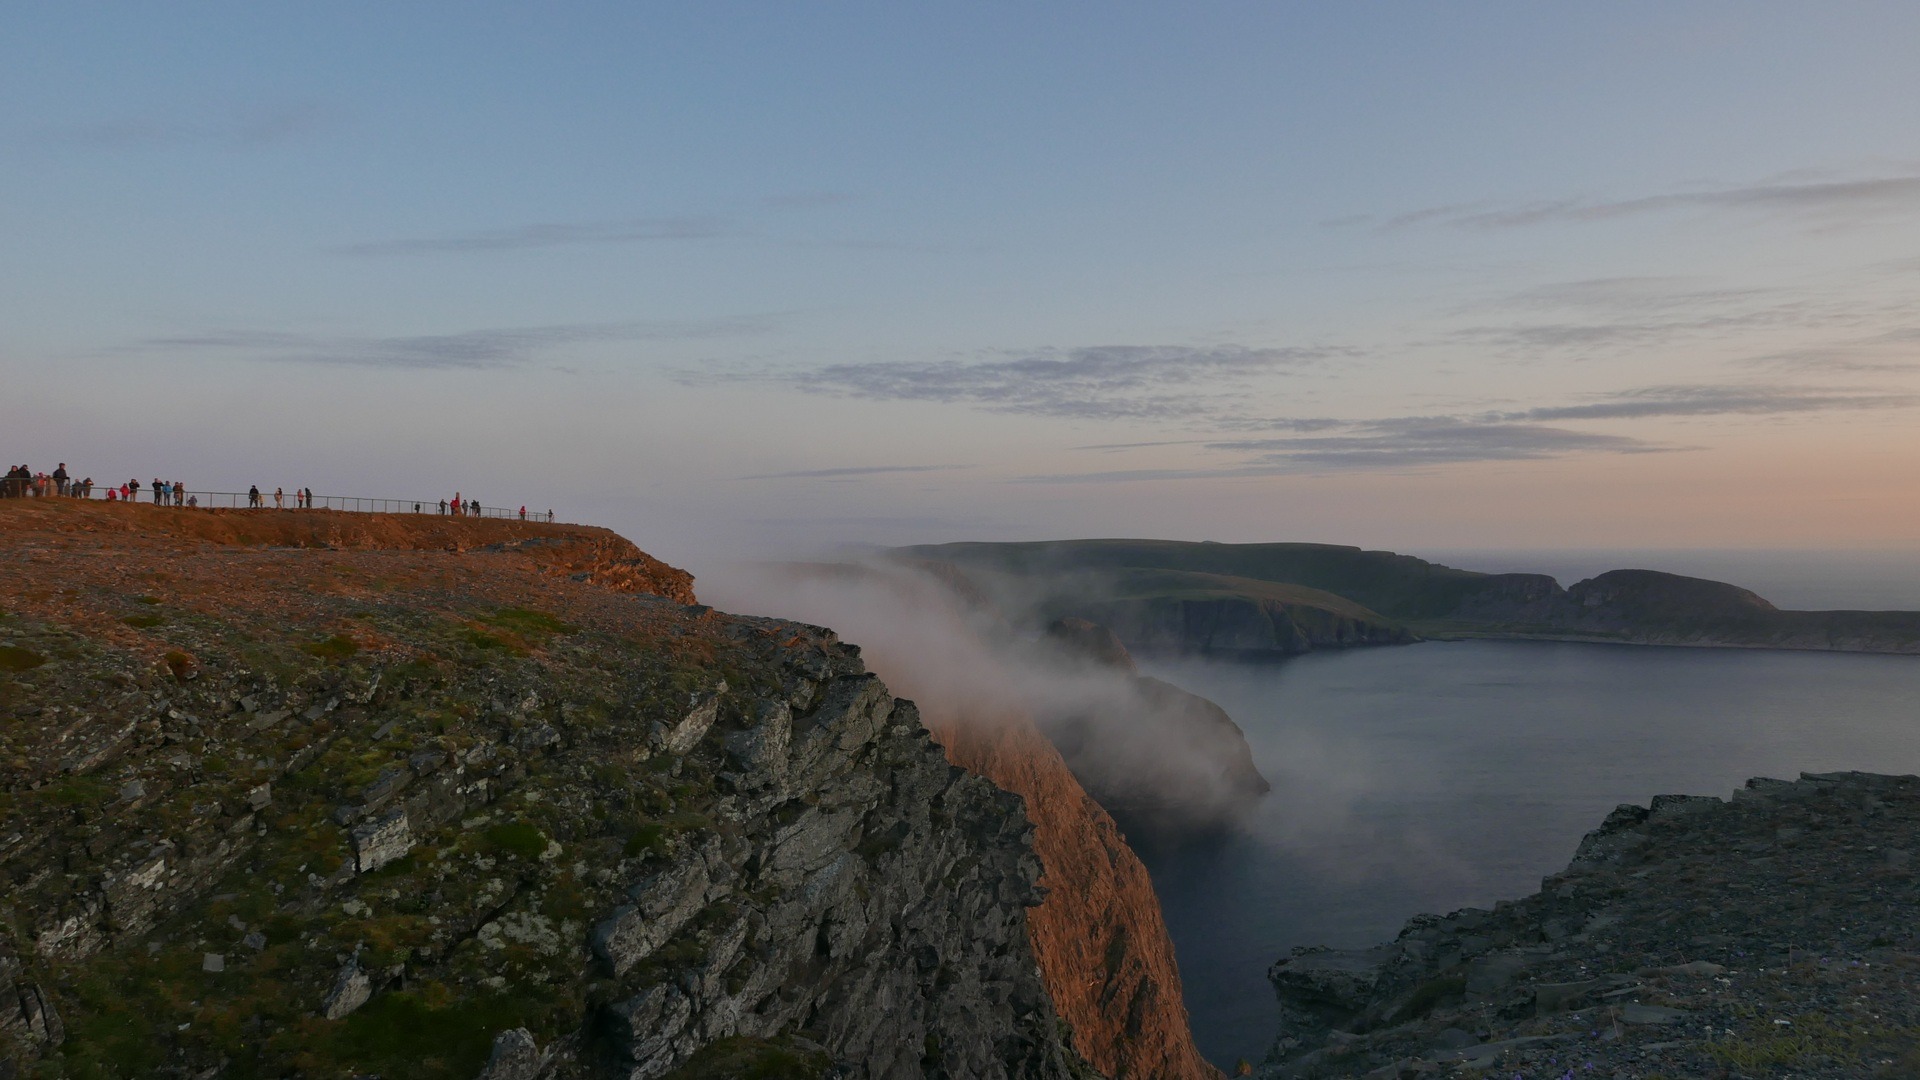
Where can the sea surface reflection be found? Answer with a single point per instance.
(1434, 776)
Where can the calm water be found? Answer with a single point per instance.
(1434, 776)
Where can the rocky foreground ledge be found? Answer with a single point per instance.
(1776, 934)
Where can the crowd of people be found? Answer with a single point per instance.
(22, 482)
(459, 507)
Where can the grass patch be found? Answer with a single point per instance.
(405, 1036)
(143, 622)
(15, 658)
(480, 639)
(528, 621)
(337, 647)
(146, 600)
(80, 791)
(646, 838)
(179, 663)
(518, 838)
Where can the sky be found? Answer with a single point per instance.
(737, 279)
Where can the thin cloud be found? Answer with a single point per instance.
(1627, 294)
(495, 348)
(1431, 440)
(546, 235)
(1319, 445)
(852, 471)
(1139, 382)
(243, 130)
(1832, 202)
(807, 200)
(1655, 401)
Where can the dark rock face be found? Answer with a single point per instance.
(492, 841)
(1687, 938)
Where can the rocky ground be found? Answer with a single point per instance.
(1773, 935)
(283, 797)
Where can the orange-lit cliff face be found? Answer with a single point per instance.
(1099, 938)
(1102, 945)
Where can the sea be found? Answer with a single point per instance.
(1441, 775)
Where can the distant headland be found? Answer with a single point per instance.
(1280, 599)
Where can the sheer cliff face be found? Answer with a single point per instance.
(1099, 935)
(1101, 942)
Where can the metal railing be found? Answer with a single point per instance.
(287, 500)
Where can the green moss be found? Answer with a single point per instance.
(519, 838)
(143, 622)
(15, 658)
(527, 621)
(1431, 993)
(651, 837)
(480, 639)
(408, 1036)
(745, 1058)
(337, 647)
(80, 791)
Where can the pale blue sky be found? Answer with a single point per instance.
(726, 276)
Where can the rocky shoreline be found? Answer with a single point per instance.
(1773, 934)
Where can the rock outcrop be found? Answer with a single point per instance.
(1770, 935)
(416, 813)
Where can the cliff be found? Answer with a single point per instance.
(1773, 934)
(1102, 945)
(433, 802)
(1101, 941)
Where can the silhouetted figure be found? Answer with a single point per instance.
(253, 496)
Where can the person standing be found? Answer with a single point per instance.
(60, 479)
(523, 513)
(179, 493)
(131, 491)
(253, 496)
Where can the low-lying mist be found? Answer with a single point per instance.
(1165, 763)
